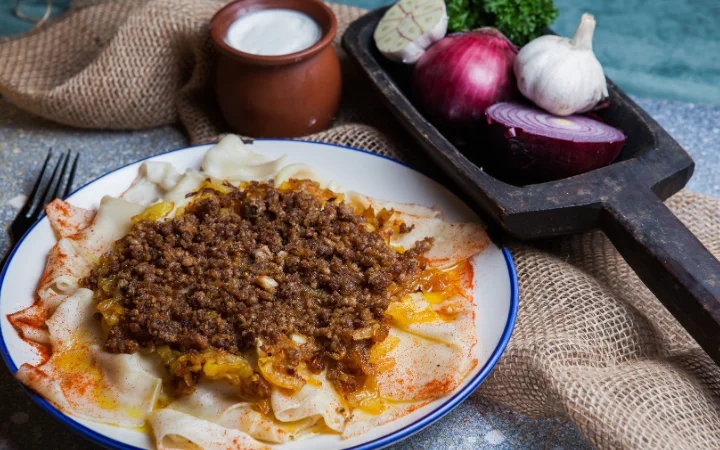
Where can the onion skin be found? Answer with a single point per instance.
(460, 76)
(529, 157)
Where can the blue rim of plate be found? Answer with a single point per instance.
(378, 443)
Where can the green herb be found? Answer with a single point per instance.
(520, 20)
(464, 14)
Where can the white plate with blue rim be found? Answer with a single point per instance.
(495, 280)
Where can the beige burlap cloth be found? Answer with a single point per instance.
(591, 344)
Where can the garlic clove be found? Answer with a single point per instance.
(562, 75)
(409, 27)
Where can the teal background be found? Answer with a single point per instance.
(10, 24)
(654, 48)
(666, 49)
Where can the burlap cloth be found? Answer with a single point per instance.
(591, 344)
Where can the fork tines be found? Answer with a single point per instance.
(58, 186)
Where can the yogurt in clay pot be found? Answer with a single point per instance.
(277, 74)
(272, 32)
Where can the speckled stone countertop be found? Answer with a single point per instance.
(475, 424)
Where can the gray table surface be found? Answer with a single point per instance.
(475, 424)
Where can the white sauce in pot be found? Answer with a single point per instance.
(273, 32)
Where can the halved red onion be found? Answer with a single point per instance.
(538, 146)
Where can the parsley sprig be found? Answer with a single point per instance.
(519, 20)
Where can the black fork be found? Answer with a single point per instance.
(58, 186)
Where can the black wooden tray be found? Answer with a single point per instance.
(623, 199)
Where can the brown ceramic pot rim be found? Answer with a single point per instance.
(221, 21)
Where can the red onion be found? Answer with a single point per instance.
(459, 77)
(537, 146)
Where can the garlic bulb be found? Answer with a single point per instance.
(409, 27)
(562, 75)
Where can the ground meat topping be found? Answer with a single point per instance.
(302, 277)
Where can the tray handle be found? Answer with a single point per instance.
(670, 260)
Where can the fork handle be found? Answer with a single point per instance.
(5, 259)
(13, 244)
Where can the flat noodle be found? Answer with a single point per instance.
(62, 274)
(154, 180)
(70, 260)
(244, 418)
(189, 182)
(424, 368)
(209, 401)
(67, 219)
(429, 359)
(85, 381)
(453, 241)
(29, 324)
(218, 402)
(405, 210)
(363, 422)
(299, 172)
(112, 222)
(60, 279)
(310, 402)
(175, 430)
(230, 159)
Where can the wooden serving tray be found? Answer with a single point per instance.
(624, 199)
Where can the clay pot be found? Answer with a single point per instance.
(277, 96)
